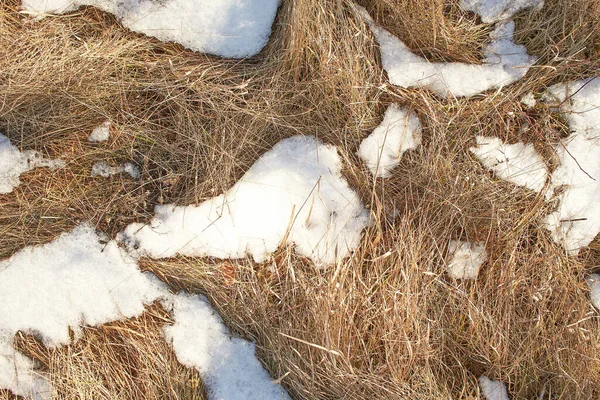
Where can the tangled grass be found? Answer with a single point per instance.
(386, 323)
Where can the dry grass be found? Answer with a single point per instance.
(388, 322)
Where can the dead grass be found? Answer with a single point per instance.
(388, 322)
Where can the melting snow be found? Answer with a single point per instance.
(576, 181)
(228, 365)
(504, 63)
(518, 163)
(498, 10)
(593, 282)
(228, 28)
(493, 390)
(78, 280)
(101, 168)
(529, 100)
(294, 193)
(72, 281)
(13, 163)
(466, 259)
(399, 131)
(100, 133)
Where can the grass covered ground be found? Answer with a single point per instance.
(386, 323)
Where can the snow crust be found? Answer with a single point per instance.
(227, 28)
(518, 163)
(493, 390)
(498, 10)
(593, 282)
(228, 365)
(72, 281)
(294, 193)
(13, 163)
(576, 181)
(504, 62)
(102, 168)
(399, 131)
(465, 259)
(101, 133)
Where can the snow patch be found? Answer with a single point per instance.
(227, 28)
(73, 281)
(504, 62)
(493, 390)
(529, 100)
(399, 131)
(498, 10)
(228, 365)
(102, 168)
(465, 259)
(576, 181)
(100, 133)
(518, 163)
(593, 282)
(13, 163)
(294, 193)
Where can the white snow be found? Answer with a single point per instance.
(593, 282)
(101, 168)
(399, 131)
(228, 28)
(529, 100)
(518, 163)
(504, 63)
(576, 181)
(294, 193)
(493, 390)
(13, 163)
(498, 10)
(73, 281)
(465, 259)
(228, 365)
(101, 133)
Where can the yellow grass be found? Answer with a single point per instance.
(388, 322)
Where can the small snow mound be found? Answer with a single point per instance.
(227, 28)
(518, 163)
(529, 100)
(493, 390)
(47, 290)
(100, 133)
(101, 168)
(295, 193)
(576, 181)
(498, 10)
(504, 62)
(13, 163)
(465, 259)
(593, 282)
(228, 365)
(399, 131)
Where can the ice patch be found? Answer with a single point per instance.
(100, 133)
(228, 365)
(294, 193)
(492, 390)
(465, 259)
(576, 181)
(102, 168)
(228, 28)
(13, 163)
(498, 10)
(399, 131)
(518, 163)
(73, 281)
(504, 62)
